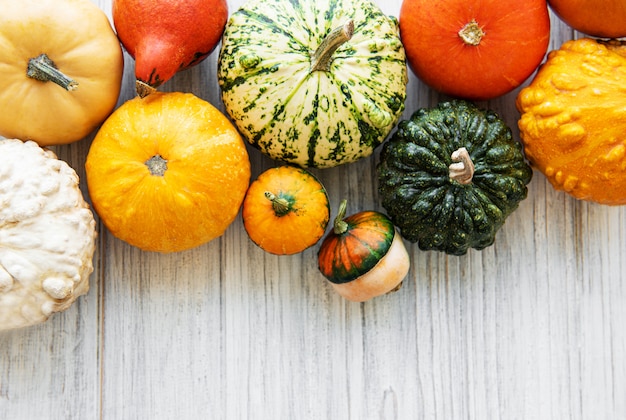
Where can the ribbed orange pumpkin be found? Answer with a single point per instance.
(286, 210)
(167, 172)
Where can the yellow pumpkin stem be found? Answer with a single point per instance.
(42, 68)
(462, 170)
(280, 205)
(323, 55)
(157, 165)
(472, 33)
(340, 226)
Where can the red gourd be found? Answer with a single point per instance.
(166, 36)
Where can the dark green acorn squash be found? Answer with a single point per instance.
(450, 176)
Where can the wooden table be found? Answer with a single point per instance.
(530, 328)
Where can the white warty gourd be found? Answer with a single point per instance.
(47, 235)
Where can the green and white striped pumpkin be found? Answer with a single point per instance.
(304, 107)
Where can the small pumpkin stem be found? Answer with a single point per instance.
(323, 55)
(42, 68)
(472, 33)
(280, 205)
(340, 226)
(157, 165)
(462, 170)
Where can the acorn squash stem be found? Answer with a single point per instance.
(472, 33)
(340, 226)
(323, 55)
(462, 170)
(42, 68)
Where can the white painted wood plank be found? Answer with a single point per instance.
(528, 328)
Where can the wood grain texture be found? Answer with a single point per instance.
(530, 328)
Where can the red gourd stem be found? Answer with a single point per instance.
(322, 57)
(472, 33)
(462, 170)
(143, 89)
(42, 68)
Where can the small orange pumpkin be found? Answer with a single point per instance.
(573, 120)
(286, 210)
(167, 172)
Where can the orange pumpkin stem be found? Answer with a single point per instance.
(280, 205)
(340, 226)
(472, 33)
(42, 68)
(323, 55)
(157, 165)
(462, 170)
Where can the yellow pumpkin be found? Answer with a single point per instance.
(573, 120)
(167, 172)
(61, 69)
(286, 210)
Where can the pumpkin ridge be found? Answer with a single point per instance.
(495, 192)
(373, 253)
(340, 271)
(428, 198)
(344, 274)
(433, 141)
(476, 211)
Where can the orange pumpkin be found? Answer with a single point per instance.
(601, 18)
(286, 210)
(573, 120)
(167, 172)
(474, 49)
